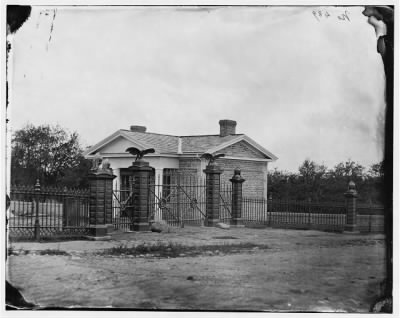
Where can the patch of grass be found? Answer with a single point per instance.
(12, 251)
(64, 238)
(159, 247)
(56, 238)
(52, 252)
(20, 239)
(170, 249)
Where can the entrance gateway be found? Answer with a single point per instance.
(177, 200)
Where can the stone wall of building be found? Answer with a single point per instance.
(255, 174)
(242, 149)
(191, 166)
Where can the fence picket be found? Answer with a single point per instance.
(48, 205)
(304, 214)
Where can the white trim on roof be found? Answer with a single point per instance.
(246, 159)
(248, 140)
(119, 133)
(127, 155)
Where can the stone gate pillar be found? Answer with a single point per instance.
(141, 172)
(213, 183)
(100, 200)
(237, 182)
(351, 208)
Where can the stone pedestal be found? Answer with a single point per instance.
(141, 172)
(237, 182)
(213, 183)
(351, 208)
(100, 204)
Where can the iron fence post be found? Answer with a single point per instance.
(269, 208)
(269, 213)
(178, 197)
(37, 224)
(309, 211)
(64, 208)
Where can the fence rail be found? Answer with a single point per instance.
(370, 209)
(329, 216)
(44, 211)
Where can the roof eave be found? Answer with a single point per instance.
(264, 151)
(119, 133)
(101, 143)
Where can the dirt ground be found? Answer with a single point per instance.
(282, 270)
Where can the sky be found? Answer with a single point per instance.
(299, 85)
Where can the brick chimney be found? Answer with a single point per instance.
(227, 127)
(141, 129)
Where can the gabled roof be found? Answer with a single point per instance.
(176, 145)
(247, 139)
(196, 144)
(162, 144)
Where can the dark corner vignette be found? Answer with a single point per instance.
(385, 45)
(17, 15)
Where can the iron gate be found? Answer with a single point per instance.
(225, 208)
(123, 207)
(181, 200)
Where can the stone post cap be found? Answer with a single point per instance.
(236, 176)
(213, 168)
(103, 170)
(351, 189)
(141, 164)
(96, 162)
(37, 185)
(101, 174)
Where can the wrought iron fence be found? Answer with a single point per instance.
(370, 218)
(370, 209)
(37, 212)
(305, 214)
(329, 216)
(254, 210)
(294, 214)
